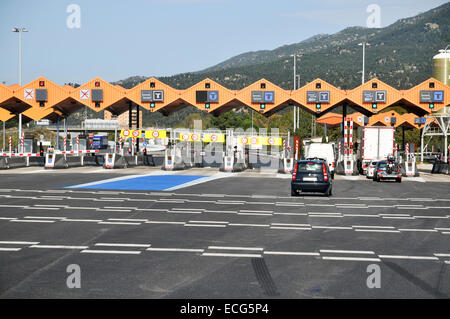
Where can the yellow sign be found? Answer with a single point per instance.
(254, 140)
(156, 134)
(126, 133)
(202, 137)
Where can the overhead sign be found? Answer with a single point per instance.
(85, 94)
(255, 140)
(28, 94)
(431, 96)
(263, 96)
(420, 120)
(152, 95)
(374, 96)
(318, 97)
(41, 95)
(203, 137)
(207, 96)
(155, 134)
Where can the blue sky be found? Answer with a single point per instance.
(123, 38)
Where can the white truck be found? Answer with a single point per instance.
(377, 144)
(324, 151)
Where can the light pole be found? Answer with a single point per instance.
(19, 31)
(295, 87)
(364, 59)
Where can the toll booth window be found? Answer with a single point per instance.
(431, 85)
(374, 85)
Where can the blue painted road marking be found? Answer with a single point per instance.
(154, 182)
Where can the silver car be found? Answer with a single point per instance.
(371, 169)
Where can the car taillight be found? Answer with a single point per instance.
(325, 175)
(379, 170)
(364, 166)
(295, 172)
(332, 164)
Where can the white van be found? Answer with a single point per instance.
(322, 150)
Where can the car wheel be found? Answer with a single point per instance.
(332, 175)
(293, 192)
(399, 180)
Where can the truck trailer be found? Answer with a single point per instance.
(377, 144)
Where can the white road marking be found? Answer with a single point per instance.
(326, 216)
(408, 257)
(164, 222)
(62, 206)
(203, 225)
(368, 252)
(232, 255)
(127, 220)
(187, 250)
(183, 212)
(9, 249)
(118, 223)
(44, 217)
(360, 215)
(442, 228)
(254, 214)
(122, 245)
(43, 208)
(31, 221)
(331, 227)
(284, 224)
(87, 208)
(208, 222)
(438, 217)
(81, 220)
(129, 252)
(400, 217)
(442, 255)
(235, 248)
(378, 230)
(256, 211)
(221, 211)
(293, 253)
(200, 181)
(293, 214)
(351, 258)
(287, 227)
(415, 229)
(7, 218)
(190, 209)
(20, 242)
(252, 225)
(59, 247)
(364, 226)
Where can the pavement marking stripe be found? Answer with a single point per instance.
(293, 253)
(9, 249)
(203, 225)
(439, 217)
(44, 217)
(250, 225)
(232, 255)
(81, 220)
(360, 215)
(383, 227)
(42, 208)
(401, 217)
(31, 221)
(235, 248)
(318, 213)
(442, 228)
(221, 211)
(127, 220)
(283, 224)
(164, 222)
(256, 211)
(415, 229)
(182, 212)
(254, 214)
(408, 257)
(7, 218)
(378, 230)
(129, 252)
(326, 216)
(187, 250)
(332, 227)
(122, 245)
(347, 251)
(118, 223)
(442, 255)
(286, 227)
(207, 222)
(292, 214)
(351, 258)
(59, 247)
(20, 242)
(199, 209)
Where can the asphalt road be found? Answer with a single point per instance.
(232, 237)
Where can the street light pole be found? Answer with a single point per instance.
(364, 60)
(295, 87)
(20, 30)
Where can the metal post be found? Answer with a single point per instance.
(4, 135)
(295, 86)
(421, 146)
(20, 80)
(57, 131)
(138, 127)
(344, 115)
(364, 61)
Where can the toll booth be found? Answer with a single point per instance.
(29, 144)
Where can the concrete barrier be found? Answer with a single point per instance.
(74, 161)
(440, 168)
(36, 161)
(12, 162)
(55, 161)
(286, 165)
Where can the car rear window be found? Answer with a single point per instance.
(374, 163)
(382, 165)
(310, 167)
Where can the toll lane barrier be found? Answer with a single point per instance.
(20, 160)
(114, 160)
(440, 168)
(286, 165)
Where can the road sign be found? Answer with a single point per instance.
(257, 97)
(374, 96)
(324, 96)
(158, 95)
(438, 96)
(146, 96)
(427, 96)
(269, 97)
(85, 94)
(380, 96)
(312, 96)
(213, 96)
(28, 94)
